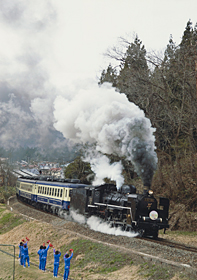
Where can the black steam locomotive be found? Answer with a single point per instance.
(124, 208)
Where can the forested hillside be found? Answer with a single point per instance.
(166, 89)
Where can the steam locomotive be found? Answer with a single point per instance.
(122, 208)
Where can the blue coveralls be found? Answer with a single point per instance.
(67, 266)
(44, 258)
(25, 256)
(20, 254)
(40, 256)
(56, 263)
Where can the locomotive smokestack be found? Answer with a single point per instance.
(146, 189)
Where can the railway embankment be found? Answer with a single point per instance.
(141, 256)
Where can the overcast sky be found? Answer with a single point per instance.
(71, 37)
(51, 47)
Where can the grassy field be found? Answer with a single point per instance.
(91, 261)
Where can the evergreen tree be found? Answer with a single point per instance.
(109, 76)
(133, 79)
(187, 37)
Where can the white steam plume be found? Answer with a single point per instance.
(105, 119)
(97, 224)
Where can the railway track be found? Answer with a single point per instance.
(171, 244)
(161, 250)
(160, 241)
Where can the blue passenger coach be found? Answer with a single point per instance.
(47, 194)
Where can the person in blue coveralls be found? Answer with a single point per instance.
(67, 264)
(25, 254)
(40, 256)
(57, 255)
(20, 253)
(44, 255)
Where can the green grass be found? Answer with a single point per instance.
(8, 221)
(160, 272)
(181, 233)
(2, 209)
(99, 259)
(155, 272)
(102, 259)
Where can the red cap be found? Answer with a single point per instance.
(23, 240)
(27, 238)
(48, 241)
(50, 245)
(70, 250)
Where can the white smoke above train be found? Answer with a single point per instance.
(108, 124)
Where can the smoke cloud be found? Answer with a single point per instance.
(98, 224)
(111, 125)
(29, 90)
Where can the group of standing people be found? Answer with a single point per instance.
(42, 252)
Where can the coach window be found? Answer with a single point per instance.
(47, 191)
(58, 191)
(61, 193)
(38, 189)
(55, 192)
(50, 192)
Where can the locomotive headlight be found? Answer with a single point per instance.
(150, 192)
(153, 215)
